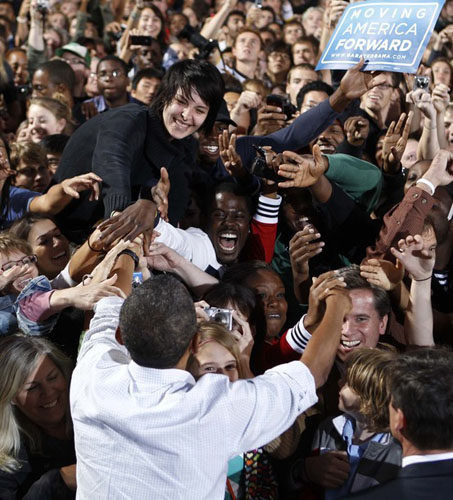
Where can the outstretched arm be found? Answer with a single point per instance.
(419, 262)
(321, 349)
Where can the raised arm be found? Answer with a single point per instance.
(60, 195)
(418, 258)
(321, 349)
(163, 258)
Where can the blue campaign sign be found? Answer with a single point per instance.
(391, 35)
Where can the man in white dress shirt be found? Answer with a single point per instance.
(144, 429)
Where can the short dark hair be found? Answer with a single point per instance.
(242, 271)
(54, 143)
(421, 387)
(146, 73)
(234, 12)
(59, 71)
(279, 46)
(318, 86)
(233, 188)
(187, 75)
(223, 293)
(354, 281)
(113, 58)
(158, 322)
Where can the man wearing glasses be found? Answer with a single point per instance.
(112, 84)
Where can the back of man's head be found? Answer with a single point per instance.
(422, 388)
(157, 322)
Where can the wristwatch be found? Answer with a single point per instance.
(131, 254)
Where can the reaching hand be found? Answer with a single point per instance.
(418, 260)
(356, 129)
(85, 297)
(162, 258)
(231, 160)
(73, 186)
(382, 273)
(160, 193)
(304, 170)
(302, 248)
(134, 220)
(441, 98)
(440, 172)
(336, 9)
(322, 287)
(395, 142)
(423, 102)
(356, 82)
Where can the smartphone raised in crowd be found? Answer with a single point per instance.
(141, 40)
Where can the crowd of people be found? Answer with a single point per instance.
(223, 273)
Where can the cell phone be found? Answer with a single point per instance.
(421, 82)
(281, 102)
(141, 40)
(259, 4)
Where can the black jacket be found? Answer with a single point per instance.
(126, 147)
(416, 482)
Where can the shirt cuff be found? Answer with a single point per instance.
(268, 208)
(298, 336)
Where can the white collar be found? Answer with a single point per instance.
(418, 459)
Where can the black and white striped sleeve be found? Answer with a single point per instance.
(298, 337)
(267, 211)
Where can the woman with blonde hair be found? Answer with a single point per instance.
(48, 116)
(37, 453)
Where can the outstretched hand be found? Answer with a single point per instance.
(230, 157)
(356, 82)
(303, 170)
(134, 220)
(395, 142)
(73, 186)
(160, 193)
(323, 287)
(382, 273)
(418, 260)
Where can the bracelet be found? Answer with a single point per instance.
(131, 254)
(429, 184)
(91, 248)
(424, 279)
(430, 128)
(86, 277)
(21, 20)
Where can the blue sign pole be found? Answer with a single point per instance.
(391, 35)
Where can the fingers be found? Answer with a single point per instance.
(399, 125)
(292, 156)
(317, 155)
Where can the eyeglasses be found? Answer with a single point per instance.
(279, 55)
(103, 75)
(29, 259)
(385, 86)
(32, 171)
